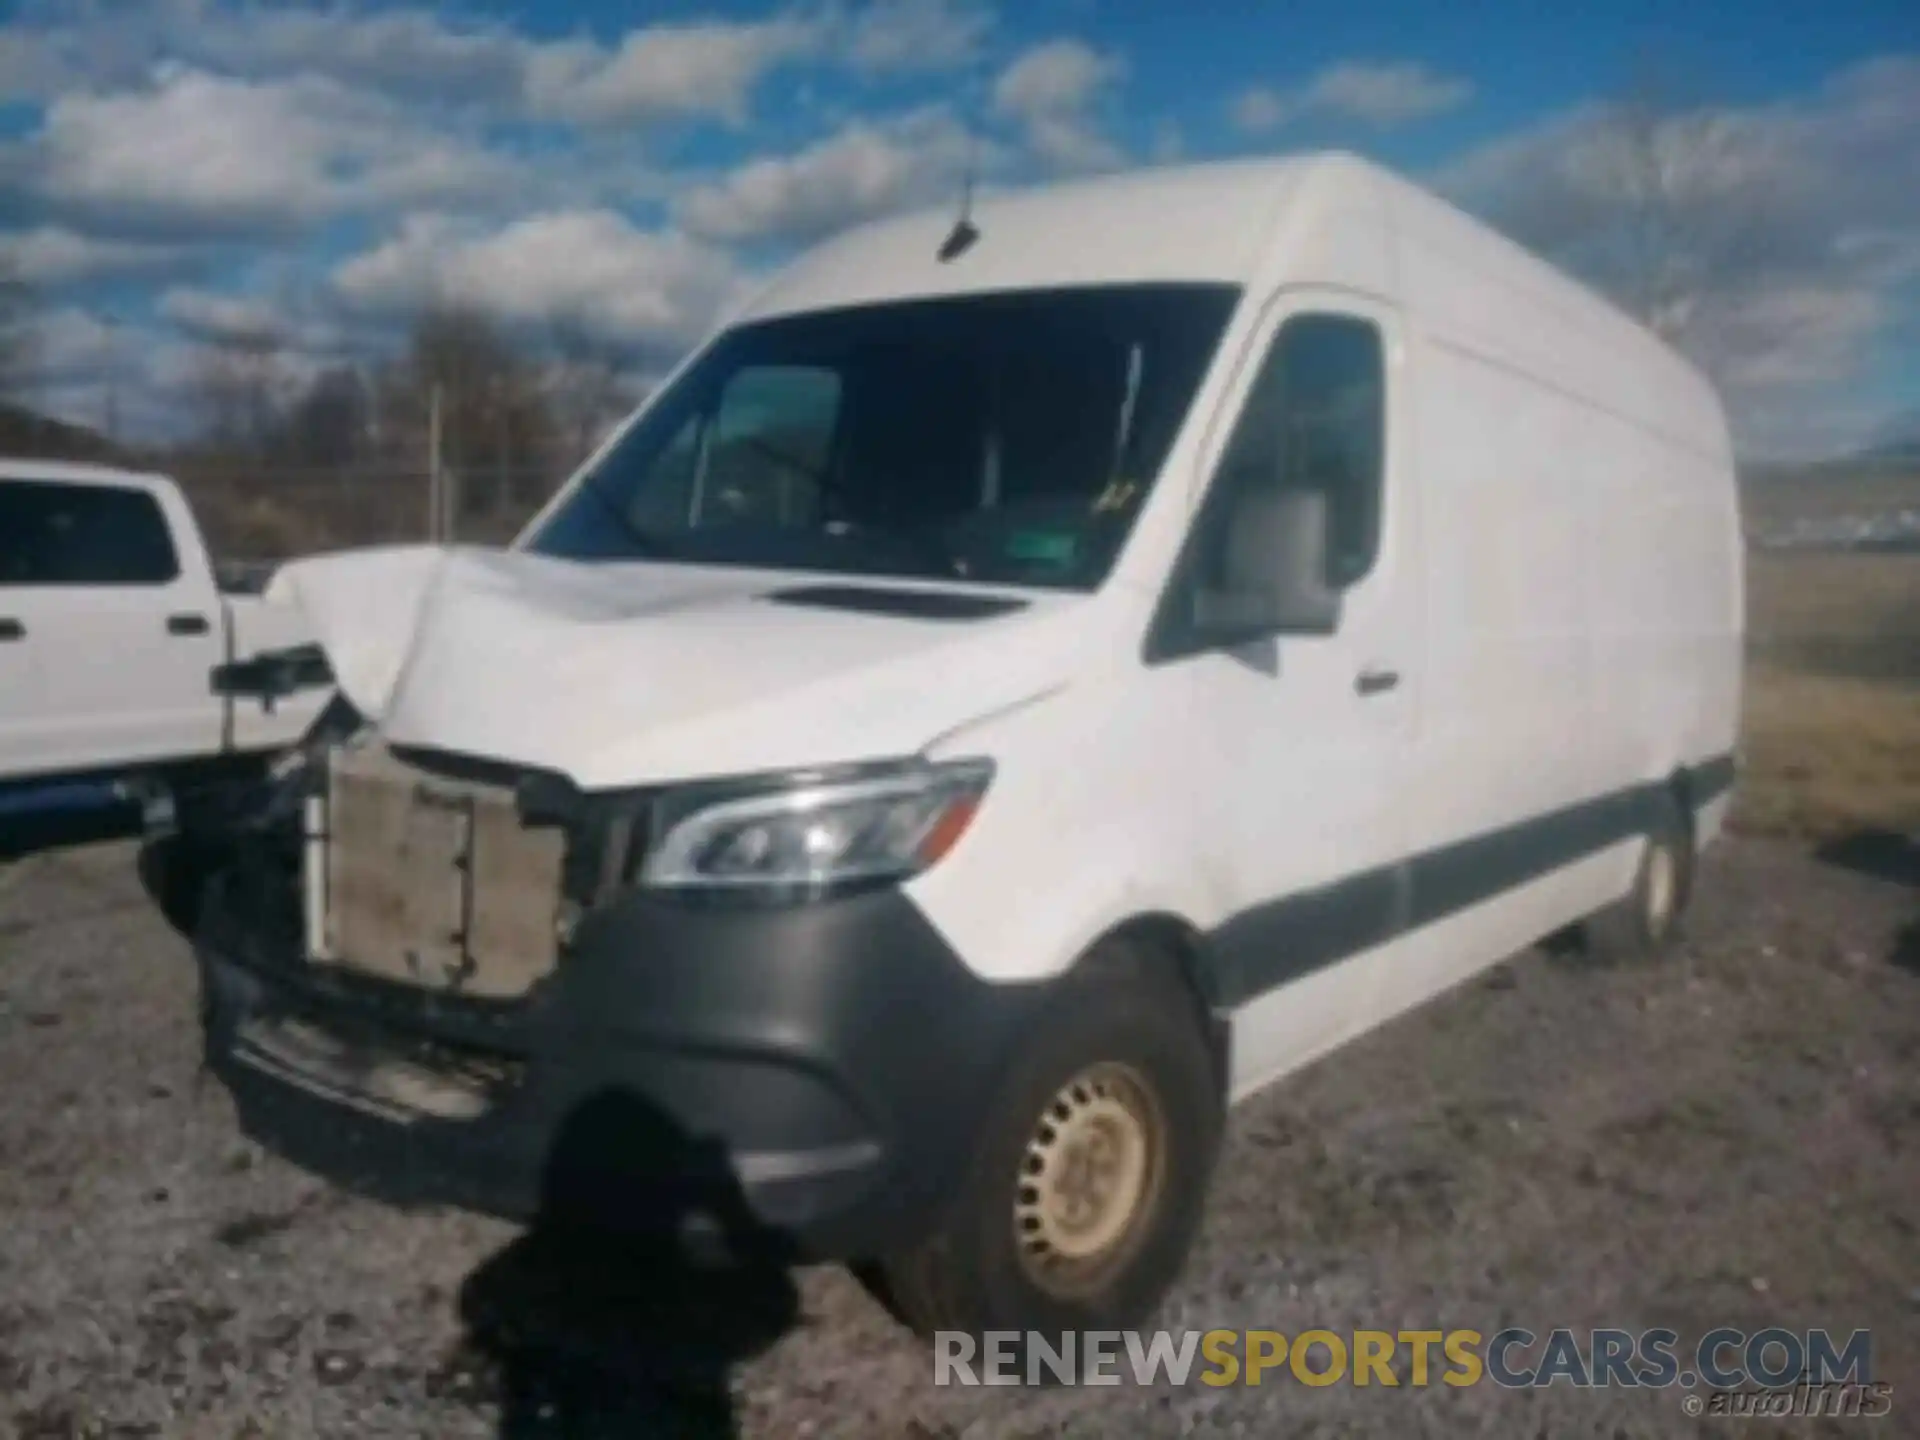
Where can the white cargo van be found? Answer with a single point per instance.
(1021, 687)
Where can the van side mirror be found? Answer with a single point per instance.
(1273, 577)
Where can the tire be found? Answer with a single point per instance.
(1116, 1095)
(1645, 922)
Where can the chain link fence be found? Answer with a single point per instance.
(269, 510)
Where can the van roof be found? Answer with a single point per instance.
(1180, 223)
(1230, 222)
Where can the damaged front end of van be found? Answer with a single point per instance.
(490, 938)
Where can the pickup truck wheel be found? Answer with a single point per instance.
(1092, 1172)
(1644, 923)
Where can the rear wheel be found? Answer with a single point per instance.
(1646, 921)
(1092, 1171)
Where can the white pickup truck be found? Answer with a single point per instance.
(116, 642)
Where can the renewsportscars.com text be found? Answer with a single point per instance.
(1724, 1359)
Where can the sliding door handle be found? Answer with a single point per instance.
(11, 629)
(187, 625)
(1375, 682)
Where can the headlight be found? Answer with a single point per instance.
(811, 836)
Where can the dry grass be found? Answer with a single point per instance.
(1832, 722)
(1836, 612)
(1829, 755)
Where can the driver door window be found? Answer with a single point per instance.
(1315, 420)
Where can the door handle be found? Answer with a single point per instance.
(186, 624)
(1375, 682)
(12, 630)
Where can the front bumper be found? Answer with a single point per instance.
(815, 1074)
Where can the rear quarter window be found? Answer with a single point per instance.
(53, 533)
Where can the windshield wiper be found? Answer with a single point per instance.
(915, 537)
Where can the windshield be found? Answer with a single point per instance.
(1006, 438)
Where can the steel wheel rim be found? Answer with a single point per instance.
(1090, 1178)
(1663, 885)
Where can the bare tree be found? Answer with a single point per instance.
(241, 388)
(496, 427)
(1675, 221)
(330, 424)
(1652, 199)
(587, 390)
(16, 333)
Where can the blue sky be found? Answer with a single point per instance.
(176, 174)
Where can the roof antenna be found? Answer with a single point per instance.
(960, 239)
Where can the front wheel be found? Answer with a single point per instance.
(1093, 1167)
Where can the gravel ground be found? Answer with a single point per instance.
(1732, 1137)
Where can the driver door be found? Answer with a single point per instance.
(1311, 734)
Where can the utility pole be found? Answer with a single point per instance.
(501, 445)
(450, 493)
(436, 507)
(110, 403)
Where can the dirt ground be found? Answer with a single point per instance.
(1732, 1137)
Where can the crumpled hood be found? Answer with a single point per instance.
(632, 674)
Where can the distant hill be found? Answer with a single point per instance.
(1894, 452)
(27, 434)
(1864, 502)
(1897, 443)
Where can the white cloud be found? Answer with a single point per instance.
(24, 60)
(1377, 93)
(422, 168)
(590, 268)
(198, 142)
(1072, 143)
(865, 170)
(50, 255)
(1052, 92)
(202, 152)
(209, 315)
(1054, 78)
(1796, 335)
(1386, 94)
(900, 36)
(140, 381)
(1260, 109)
(693, 68)
(411, 52)
(1774, 243)
(47, 50)
(92, 372)
(301, 336)
(71, 344)
(702, 69)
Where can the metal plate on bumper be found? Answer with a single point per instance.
(435, 882)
